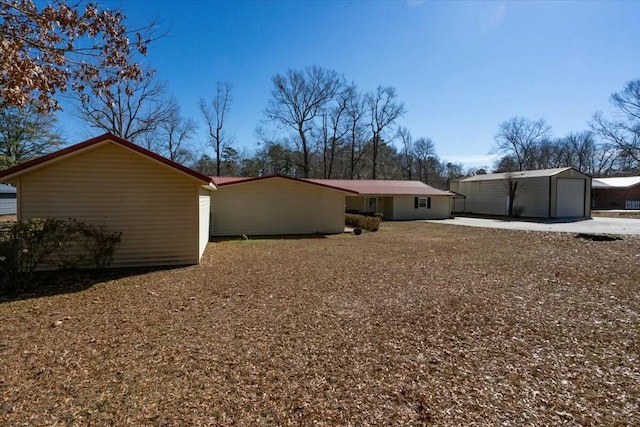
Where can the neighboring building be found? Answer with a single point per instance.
(7, 200)
(616, 193)
(395, 200)
(547, 193)
(275, 204)
(161, 207)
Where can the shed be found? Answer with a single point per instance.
(616, 193)
(161, 207)
(545, 193)
(7, 200)
(394, 199)
(275, 204)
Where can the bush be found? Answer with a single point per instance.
(370, 223)
(27, 245)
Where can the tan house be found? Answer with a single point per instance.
(616, 193)
(546, 193)
(161, 207)
(395, 200)
(275, 204)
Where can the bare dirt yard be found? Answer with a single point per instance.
(418, 324)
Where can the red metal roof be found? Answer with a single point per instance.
(384, 187)
(222, 180)
(24, 167)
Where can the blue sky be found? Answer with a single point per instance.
(460, 67)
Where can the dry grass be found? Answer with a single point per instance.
(417, 324)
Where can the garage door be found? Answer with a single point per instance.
(570, 198)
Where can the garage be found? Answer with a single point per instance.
(570, 203)
(160, 207)
(542, 193)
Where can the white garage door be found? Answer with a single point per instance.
(570, 198)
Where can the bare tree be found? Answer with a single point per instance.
(407, 153)
(423, 151)
(623, 132)
(356, 112)
(511, 184)
(133, 108)
(173, 135)
(25, 133)
(214, 116)
(45, 47)
(333, 131)
(384, 110)
(296, 100)
(519, 136)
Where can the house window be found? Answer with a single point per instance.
(422, 202)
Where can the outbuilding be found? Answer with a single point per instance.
(616, 193)
(546, 193)
(161, 207)
(275, 204)
(395, 200)
(7, 200)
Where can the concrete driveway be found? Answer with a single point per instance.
(590, 226)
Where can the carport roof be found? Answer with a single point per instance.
(619, 182)
(517, 174)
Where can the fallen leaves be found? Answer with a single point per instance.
(396, 328)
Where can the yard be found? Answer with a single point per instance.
(417, 324)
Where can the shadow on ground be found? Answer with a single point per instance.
(50, 283)
(268, 237)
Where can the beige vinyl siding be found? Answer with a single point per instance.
(404, 208)
(153, 206)
(204, 198)
(276, 206)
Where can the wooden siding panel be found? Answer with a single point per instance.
(154, 207)
(404, 208)
(276, 206)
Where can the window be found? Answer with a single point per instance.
(422, 202)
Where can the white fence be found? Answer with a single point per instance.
(632, 204)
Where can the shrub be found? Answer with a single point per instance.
(370, 223)
(27, 245)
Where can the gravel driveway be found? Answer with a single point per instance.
(592, 226)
